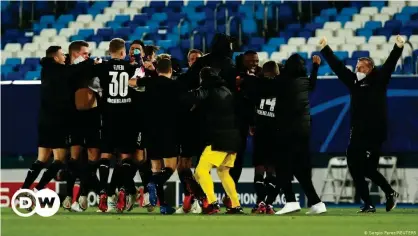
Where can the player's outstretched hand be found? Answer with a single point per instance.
(400, 41)
(132, 82)
(323, 42)
(316, 59)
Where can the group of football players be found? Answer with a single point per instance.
(155, 119)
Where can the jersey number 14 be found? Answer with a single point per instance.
(269, 102)
(119, 84)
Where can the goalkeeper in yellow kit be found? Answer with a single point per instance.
(215, 103)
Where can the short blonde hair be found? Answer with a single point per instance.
(163, 56)
(116, 44)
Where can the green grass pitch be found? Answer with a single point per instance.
(337, 221)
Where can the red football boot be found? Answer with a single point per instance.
(121, 204)
(227, 202)
(103, 202)
(187, 203)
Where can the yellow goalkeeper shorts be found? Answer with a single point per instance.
(217, 158)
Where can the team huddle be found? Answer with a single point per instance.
(144, 115)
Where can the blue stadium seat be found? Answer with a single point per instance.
(148, 42)
(408, 66)
(105, 33)
(13, 61)
(387, 32)
(213, 4)
(402, 17)
(59, 26)
(294, 27)
(286, 13)
(166, 44)
(372, 25)
(321, 19)
(85, 33)
(97, 39)
(359, 5)
(100, 5)
(365, 32)
(6, 69)
(47, 19)
(349, 11)
(342, 55)
(113, 24)
(159, 17)
(32, 75)
(23, 40)
(393, 24)
(249, 27)
(177, 53)
(351, 62)
(23, 69)
(269, 49)
(247, 10)
(256, 41)
(197, 16)
(148, 10)
(122, 19)
(413, 24)
(123, 32)
(14, 76)
(325, 70)
(305, 34)
(195, 3)
(65, 19)
(409, 10)
(32, 62)
(407, 31)
(185, 44)
(314, 26)
(175, 4)
(378, 4)
(358, 54)
(141, 30)
(157, 4)
(77, 37)
(398, 70)
(343, 19)
(141, 19)
(329, 12)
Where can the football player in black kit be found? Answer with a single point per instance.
(264, 155)
(85, 131)
(117, 106)
(161, 130)
(56, 108)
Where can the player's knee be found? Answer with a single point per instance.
(168, 170)
(140, 156)
(222, 171)
(270, 178)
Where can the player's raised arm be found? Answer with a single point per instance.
(314, 73)
(390, 64)
(343, 73)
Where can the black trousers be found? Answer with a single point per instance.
(363, 159)
(295, 161)
(236, 171)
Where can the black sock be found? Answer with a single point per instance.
(184, 176)
(270, 183)
(145, 172)
(166, 173)
(260, 188)
(72, 174)
(93, 182)
(104, 165)
(126, 175)
(33, 173)
(49, 174)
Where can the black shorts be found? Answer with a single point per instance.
(53, 134)
(118, 135)
(86, 128)
(266, 149)
(190, 142)
(161, 145)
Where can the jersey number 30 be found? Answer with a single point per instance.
(270, 102)
(119, 84)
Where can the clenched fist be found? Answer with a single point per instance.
(323, 42)
(316, 59)
(400, 41)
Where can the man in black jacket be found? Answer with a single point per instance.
(54, 115)
(368, 119)
(216, 104)
(294, 121)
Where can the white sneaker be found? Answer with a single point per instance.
(82, 201)
(130, 202)
(180, 211)
(75, 207)
(289, 208)
(66, 204)
(318, 208)
(145, 202)
(196, 208)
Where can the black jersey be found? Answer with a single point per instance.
(114, 77)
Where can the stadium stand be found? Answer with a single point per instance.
(176, 26)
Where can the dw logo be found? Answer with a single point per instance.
(47, 202)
